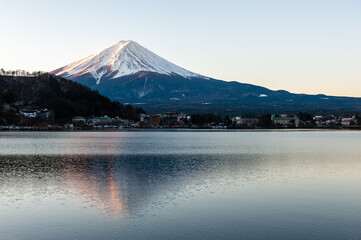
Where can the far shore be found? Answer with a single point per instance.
(181, 130)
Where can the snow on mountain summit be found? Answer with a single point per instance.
(121, 59)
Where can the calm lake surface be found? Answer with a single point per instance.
(180, 185)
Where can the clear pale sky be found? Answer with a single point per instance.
(301, 46)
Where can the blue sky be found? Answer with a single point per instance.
(301, 46)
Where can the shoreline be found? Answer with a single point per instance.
(186, 130)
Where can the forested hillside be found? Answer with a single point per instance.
(64, 98)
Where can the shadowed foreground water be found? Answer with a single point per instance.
(180, 185)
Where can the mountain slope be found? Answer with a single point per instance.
(121, 59)
(130, 73)
(65, 98)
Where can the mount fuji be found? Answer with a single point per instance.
(127, 72)
(121, 59)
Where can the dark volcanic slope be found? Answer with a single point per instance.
(158, 93)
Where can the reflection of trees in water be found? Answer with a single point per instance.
(130, 185)
(29, 178)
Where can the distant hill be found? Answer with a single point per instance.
(128, 72)
(64, 97)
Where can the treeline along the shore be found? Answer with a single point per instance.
(60, 98)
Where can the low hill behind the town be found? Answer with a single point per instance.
(64, 98)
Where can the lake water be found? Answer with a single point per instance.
(180, 185)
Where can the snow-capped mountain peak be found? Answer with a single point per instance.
(120, 59)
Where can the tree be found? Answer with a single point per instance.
(358, 119)
(227, 120)
(205, 118)
(265, 120)
(304, 116)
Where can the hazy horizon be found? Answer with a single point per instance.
(303, 47)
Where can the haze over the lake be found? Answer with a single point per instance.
(299, 46)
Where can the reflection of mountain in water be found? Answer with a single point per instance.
(129, 185)
(95, 185)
